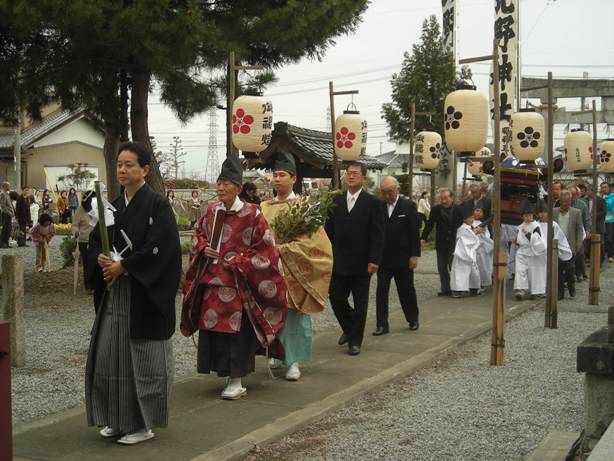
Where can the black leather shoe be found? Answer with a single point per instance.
(343, 339)
(572, 292)
(354, 350)
(379, 331)
(444, 293)
(413, 326)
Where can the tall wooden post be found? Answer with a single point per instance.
(11, 308)
(230, 97)
(593, 291)
(412, 127)
(498, 343)
(17, 153)
(552, 277)
(432, 187)
(336, 178)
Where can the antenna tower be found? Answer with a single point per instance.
(212, 166)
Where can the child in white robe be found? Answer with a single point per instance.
(539, 266)
(465, 275)
(529, 246)
(485, 250)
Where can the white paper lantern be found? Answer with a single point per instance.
(578, 150)
(350, 135)
(475, 168)
(466, 121)
(252, 122)
(427, 151)
(607, 156)
(528, 130)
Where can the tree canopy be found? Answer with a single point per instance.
(108, 55)
(427, 75)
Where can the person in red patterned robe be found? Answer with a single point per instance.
(236, 295)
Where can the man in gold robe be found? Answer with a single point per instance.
(307, 262)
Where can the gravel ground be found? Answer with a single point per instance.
(28, 254)
(58, 331)
(461, 408)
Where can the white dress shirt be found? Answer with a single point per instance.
(391, 207)
(351, 199)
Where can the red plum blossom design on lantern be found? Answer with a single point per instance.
(344, 138)
(241, 122)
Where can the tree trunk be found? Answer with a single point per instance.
(123, 99)
(139, 124)
(111, 144)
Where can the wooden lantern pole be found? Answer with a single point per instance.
(332, 94)
(551, 309)
(412, 128)
(231, 88)
(593, 292)
(498, 314)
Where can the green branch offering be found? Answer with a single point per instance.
(303, 218)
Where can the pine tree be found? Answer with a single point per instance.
(426, 77)
(106, 55)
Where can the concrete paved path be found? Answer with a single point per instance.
(204, 427)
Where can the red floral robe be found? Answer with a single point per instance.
(247, 278)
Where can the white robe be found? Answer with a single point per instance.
(507, 232)
(539, 262)
(465, 273)
(529, 252)
(484, 255)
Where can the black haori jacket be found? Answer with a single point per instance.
(153, 265)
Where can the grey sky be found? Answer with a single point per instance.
(564, 36)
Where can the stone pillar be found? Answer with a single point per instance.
(595, 357)
(12, 306)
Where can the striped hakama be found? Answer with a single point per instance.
(128, 381)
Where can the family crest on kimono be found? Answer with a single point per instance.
(465, 274)
(307, 262)
(234, 291)
(130, 364)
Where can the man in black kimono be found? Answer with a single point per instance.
(356, 232)
(130, 363)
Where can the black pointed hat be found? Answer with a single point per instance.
(466, 209)
(232, 170)
(284, 161)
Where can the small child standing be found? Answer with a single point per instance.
(465, 275)
(529, 246)
(486, 248)
(42, 233)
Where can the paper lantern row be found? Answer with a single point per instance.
(466, 121)
(528, 128)
(578, 150)
(350, 135)
(606, 155)
(427, 151)
(252, 123)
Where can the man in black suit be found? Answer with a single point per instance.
(447, 218)
(356, 231)
(400, 257)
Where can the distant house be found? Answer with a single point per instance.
(397, 163)
(52, 147)
(312, 151)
